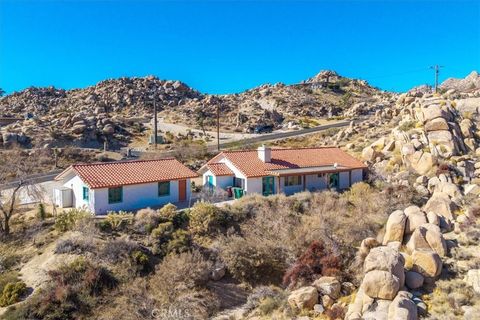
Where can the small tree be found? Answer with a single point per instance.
(2, 92)
(15, 171)
(200, 118)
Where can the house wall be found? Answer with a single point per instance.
(205, 175)
(357, 175)
(136, 197)
(253, 185)
(76, 185)
(314, 182)
(344, 181)
(224, 181)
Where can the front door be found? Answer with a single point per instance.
(267, 186)
(333, 181)
(182, 190)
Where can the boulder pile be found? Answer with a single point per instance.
(410, 255)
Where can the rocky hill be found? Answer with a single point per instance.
(115, 110)
(469, 83)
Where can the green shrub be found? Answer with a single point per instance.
(253, 261)
(163, 231)
(119, 220)
(407, 125)
(12, 293)
(41, 212)
(69, 219)
(146, 220)
(168, 211)
(179, 243)
(8, 277)
(206, 218)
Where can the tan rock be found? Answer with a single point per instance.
(395, 227)
(441, 204)
(433, 218)
(415, 218)
(436, 124)
(413, 280)
(402, 308)
(386, 259)
(328, 286)
(421, 162)
(303, 298)
(380, 284)
(427, 263)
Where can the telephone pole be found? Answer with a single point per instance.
(437, 71)
(218, 127)
(155, 123)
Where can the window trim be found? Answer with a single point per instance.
(86, 193)
(121, 195)
(158, 189)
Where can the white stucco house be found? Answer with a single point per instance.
(127, 185)
(270, 171)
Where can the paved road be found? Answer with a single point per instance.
(258, 138)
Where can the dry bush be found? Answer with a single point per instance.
(146, 220)
(132, 301)
(316, 261)
(168, 211)
(253, 261)
(118, 250)
(206, 218)
(179, 284)
(76, 245)
(71, 293)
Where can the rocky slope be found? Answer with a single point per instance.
(115, 110)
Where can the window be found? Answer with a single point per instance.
(293, 181)
(85, 193)
(164, 188)
(115, 195)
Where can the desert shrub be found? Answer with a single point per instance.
(179, 275)
(168, 211)
(8, 259)
(70, 219)
(316, 260)
(119, 220)
(71, 293)
(8, 277)
(266, 298)
(76, 245)
(448, 297)
(146, 220)
(141, 260)
(12, 292)
(253, 261)
(180, 242)
(163, 232)
(407, 125)
(41, 212)
(206, 218)
(117, 250)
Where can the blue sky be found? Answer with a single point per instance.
(230, 46)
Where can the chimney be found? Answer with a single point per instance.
(264, 153)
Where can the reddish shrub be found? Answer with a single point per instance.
(316, 260)
(336, 312)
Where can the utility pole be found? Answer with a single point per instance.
(218, 127)
(155, 128)
(437, 71)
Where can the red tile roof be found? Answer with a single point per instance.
(112, 174)
(220, 169)
(250, 165)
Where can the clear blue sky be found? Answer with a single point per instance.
(230, 46)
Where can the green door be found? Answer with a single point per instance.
(267, 186)
(334, 179)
